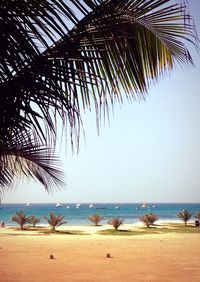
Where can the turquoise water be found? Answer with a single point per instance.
(130, 212)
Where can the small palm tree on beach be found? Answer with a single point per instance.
(149, 219)
(21, 218)
(116, 222)
(33, 220)
(95, 218)
(55, 220)
(184, 215)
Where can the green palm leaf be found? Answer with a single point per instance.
(117, 45)
(21, 218)
(54, 220)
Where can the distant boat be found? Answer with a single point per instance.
(67, 207)
(58, 205)
(78, 206)
(154, 206)
(91, 206)
(27, 204)
(116, 207)
(144, 205)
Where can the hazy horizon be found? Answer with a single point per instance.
(96, 203)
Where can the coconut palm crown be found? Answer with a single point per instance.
(21, 218)
(184, 215)
(59, 58)
(55, 220)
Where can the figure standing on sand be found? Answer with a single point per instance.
(2, 224)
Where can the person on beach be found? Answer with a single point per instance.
(2, 224)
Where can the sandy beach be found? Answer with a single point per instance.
(157, 257)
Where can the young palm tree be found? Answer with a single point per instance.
(61, 57)
(55, 220)
(149, 219)
(33, 220)
(95, 218)
(116, 222)
(184, 215)
(21, 218)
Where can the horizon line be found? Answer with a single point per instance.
(101, 202)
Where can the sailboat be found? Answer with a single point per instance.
(58, 205)
(27, 204)
(78, 206)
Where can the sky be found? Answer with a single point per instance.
(148, 152)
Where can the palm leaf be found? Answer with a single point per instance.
(28, 158)
(55, 220)
(116, 45)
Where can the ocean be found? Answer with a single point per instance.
(130, 212)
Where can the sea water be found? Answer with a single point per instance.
(130, 212)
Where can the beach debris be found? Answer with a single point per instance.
(108, 255)
(51, 256)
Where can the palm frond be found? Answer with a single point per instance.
(95, 218)
(148, 219)
(28, 158)
(184, 215)
(112, 46)
(116, 222)
(54, 220)
(33, 220)
(21, 218)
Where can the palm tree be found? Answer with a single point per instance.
(184, 215)
(149, 219)
(21, 218)
(95, 218)
(54, 220)
(116, 222)
(59, 58)
(33, 220)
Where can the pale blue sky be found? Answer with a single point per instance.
(149, 152)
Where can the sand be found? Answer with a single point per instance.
(24, 256)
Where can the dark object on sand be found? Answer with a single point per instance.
(51, 257)
(2, 224)
(108, 255)
(196, 223)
